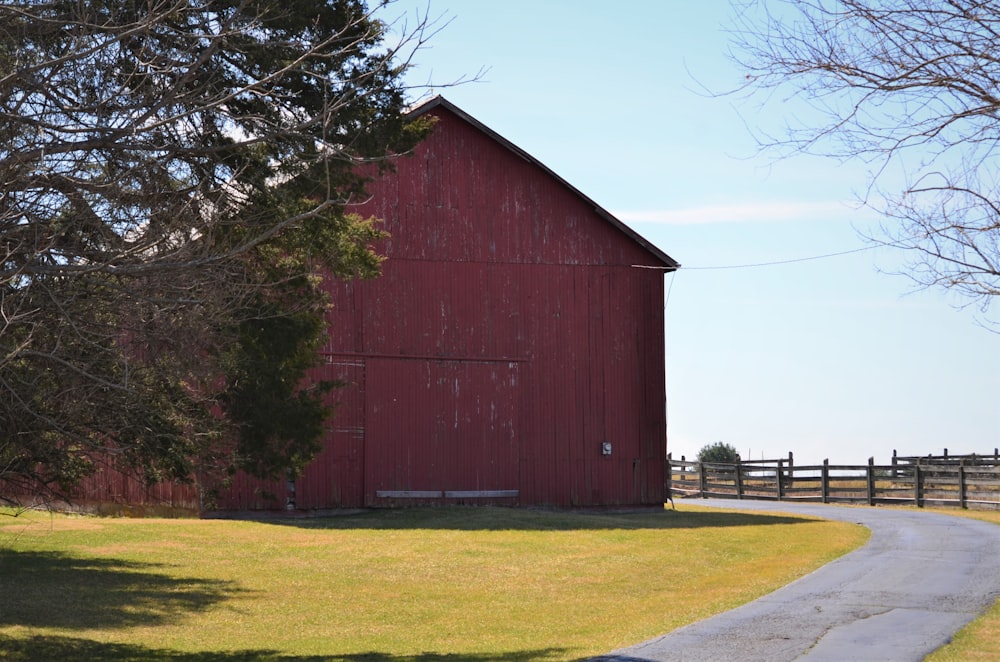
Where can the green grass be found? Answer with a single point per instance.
(421, 584)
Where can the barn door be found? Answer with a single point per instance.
(435, 427)
(335, 478)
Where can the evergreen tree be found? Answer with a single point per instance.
(176, 176)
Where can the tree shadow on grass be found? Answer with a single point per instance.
(57, 590)
(490, 518)
(70, 649)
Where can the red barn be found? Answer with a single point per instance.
(511, 352)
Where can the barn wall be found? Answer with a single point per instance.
(114, 492)
(510, 334)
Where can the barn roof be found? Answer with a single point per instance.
(667, 262)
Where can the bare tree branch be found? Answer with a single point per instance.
(906, 86)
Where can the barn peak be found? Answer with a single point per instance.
(664, 261)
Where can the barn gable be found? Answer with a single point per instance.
(511, 351)
(477, 182)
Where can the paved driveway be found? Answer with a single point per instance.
(921, 577)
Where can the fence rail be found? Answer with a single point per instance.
(971, 481)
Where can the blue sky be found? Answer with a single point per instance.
(829, 358)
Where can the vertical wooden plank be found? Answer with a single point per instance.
(962, 495)
(779, 480)
(668, 478)
(870, 474)
(825, 482)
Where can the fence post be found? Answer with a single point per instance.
(825, 481)
(739, 478)
(668, 483)
(961, 485)
(918, 487)
(871, 481)
(894, 461)
(779, 477)
(701, 480)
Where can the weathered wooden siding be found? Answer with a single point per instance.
(448, 425)
(336, 477)
(521, 388)
(462, 197)
(108, 488)
(512, 333)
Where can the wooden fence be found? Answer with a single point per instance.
(965, 481)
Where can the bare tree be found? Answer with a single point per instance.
(911, 87)
(173, 175)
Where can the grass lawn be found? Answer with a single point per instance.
(418, 584)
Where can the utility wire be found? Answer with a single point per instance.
(777, 262)
(673, 274)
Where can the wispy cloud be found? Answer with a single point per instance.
(744, 213)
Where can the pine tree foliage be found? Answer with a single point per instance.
(176, 174)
